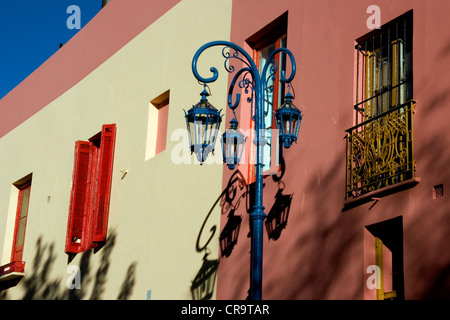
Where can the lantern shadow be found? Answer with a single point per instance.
(278, 215)
(230, 202)
(237, 193)
(229, 235)
(202, 287)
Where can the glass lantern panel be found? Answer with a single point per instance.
(212, 130)
(294, 125)
(240, 149)
(192, 133)
(287, 123)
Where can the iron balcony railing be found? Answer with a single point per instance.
(380, 151)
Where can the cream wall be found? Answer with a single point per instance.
(159, 207)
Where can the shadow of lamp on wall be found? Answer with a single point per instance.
(278, 215)
(203, 285)
(229, 235)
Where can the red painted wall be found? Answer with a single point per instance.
(320, 254)
(113, 27)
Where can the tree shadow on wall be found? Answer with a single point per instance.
(40, 285)
(328, 241)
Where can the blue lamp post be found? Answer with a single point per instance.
(288, 119)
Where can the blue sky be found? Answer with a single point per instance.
(31, 31)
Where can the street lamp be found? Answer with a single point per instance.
(288, 119)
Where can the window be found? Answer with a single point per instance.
(91, 187)
(384, 68)
(263, 43)
(384, 250)
(21, 191)
(21, 221)
(157, 125)
(380, 155)
(272, 99)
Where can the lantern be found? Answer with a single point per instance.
(288, 119)
(202, 121)
(233, 142)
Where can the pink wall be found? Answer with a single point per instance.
(161, 135)
(113, 27)
(320, 254)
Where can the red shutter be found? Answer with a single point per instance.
(79, 197)
(105, 165)
(91, 201)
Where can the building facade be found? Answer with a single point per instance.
(101, 199)
(358, 203)
(129, 68)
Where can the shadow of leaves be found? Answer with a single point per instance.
(40, 285)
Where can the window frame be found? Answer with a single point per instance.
(17, 250)
(385, 249)
(277, 99)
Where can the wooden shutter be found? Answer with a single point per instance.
(79, 197)
(105, 165)
(91, 200)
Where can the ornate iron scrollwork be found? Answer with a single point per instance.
(380, 151)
